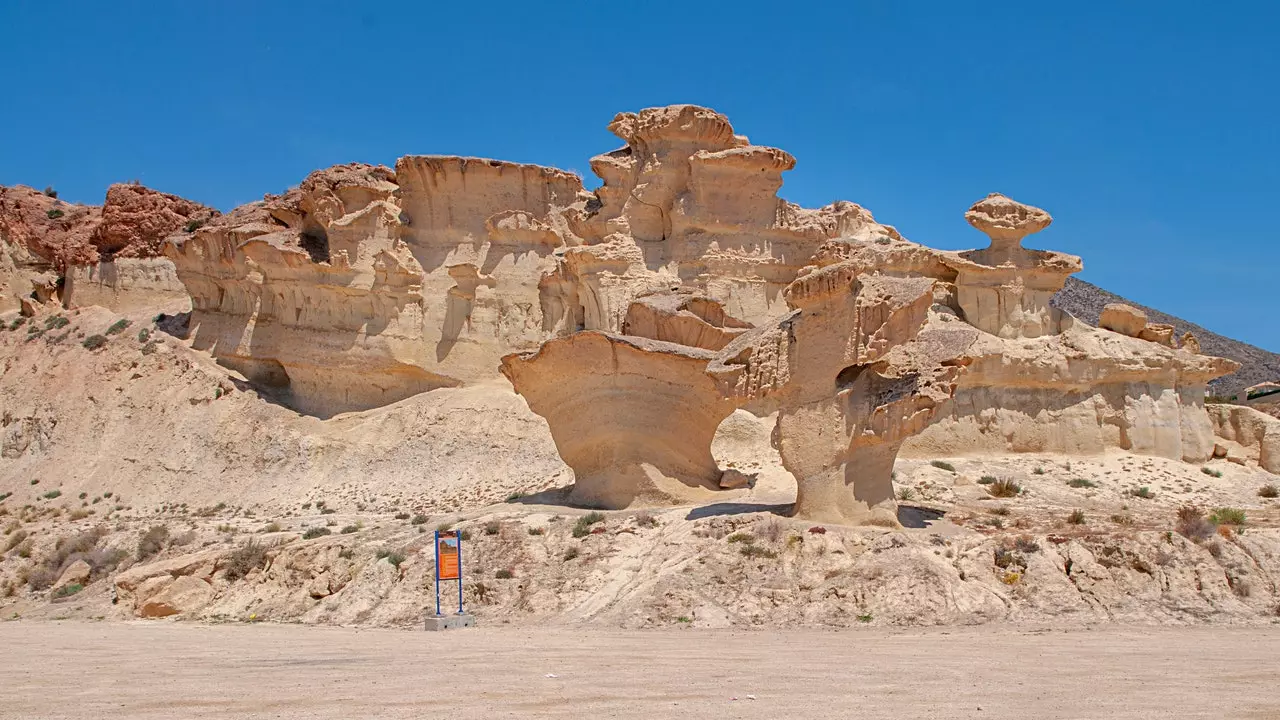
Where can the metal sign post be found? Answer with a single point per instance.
(448, 563)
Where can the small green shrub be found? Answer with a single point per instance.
(906, 494)
(943, 465)
(350, 529)
(1266, 491)
(1082, 483)
(68, 590)
(93, 342)
(118, 326)
(395, 558)
(56, 322)
(865, 618)
(504, 574)
(52, 494)
(272, 528)
(50, 192)
(328, 511)
(1038, 471)
(644, 518)
(1143, 492)
(1227, 516)
(537, 531)
(144, 335)
(571, 553)
(741, 537)
(1211, 472)
(422, 519)
(492, 527)
(986, 480)
(514, 497)
(54, 213)
(685, 619)
(149, 348)
(402, 516)
(315, 532)
(1076, 517)
(193, 225)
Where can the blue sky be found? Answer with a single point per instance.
(1149, 130)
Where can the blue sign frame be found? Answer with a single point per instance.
(457, 538)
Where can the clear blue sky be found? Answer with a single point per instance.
(1148, 129)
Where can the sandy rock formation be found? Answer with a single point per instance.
(1124, 319)
(79, 255)
(364, 285)
(1256, 432)
(633, 417)
(858, 366)
(1005, 289)
(682, 317)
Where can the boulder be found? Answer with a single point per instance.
(184, 595)
(1124, 319)
(1159, 333)
(77, 572)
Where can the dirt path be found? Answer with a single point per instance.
(165, 670)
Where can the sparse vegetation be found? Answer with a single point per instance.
(943, 465)
(1211, 472)
(1076, 517)
(1228, 516)
(513, 497)
(56, 322)
(1192, 524)
(50, 192)
(582, 528)
(272, 528)
(315, 532)
(986, 480)
(402, 516)
(1004, 489)
(93, 342)
(152, 541)
(504, 574)
(1038, 471)
(68, 590)
(684, 619)
(193, 225)
(741, 537)
(52, 494)
(492, 527)
(644, 518)
(54, 213)
(1143, 492)
(906, 494)
(865, 618)
(1081, 483)
(1266, 491)
(144, 335)
(756, 551)
(350, 529)
(118, 326)
(535, 531)
(571, 553)
(245, 559)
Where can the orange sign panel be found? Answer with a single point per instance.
(447, 557)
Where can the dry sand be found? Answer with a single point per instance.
(138, 670)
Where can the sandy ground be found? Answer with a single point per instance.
(139, 670)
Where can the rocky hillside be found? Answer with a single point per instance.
(1085, 301)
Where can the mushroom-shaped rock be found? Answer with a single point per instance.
(1006, 221)
(1124, 319)
(852, 375)
(1005, 289)
(633, 417)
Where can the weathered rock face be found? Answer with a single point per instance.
(80, 255)
(633, 417)
(335, 293)
(1255, 431)
(857, 367)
